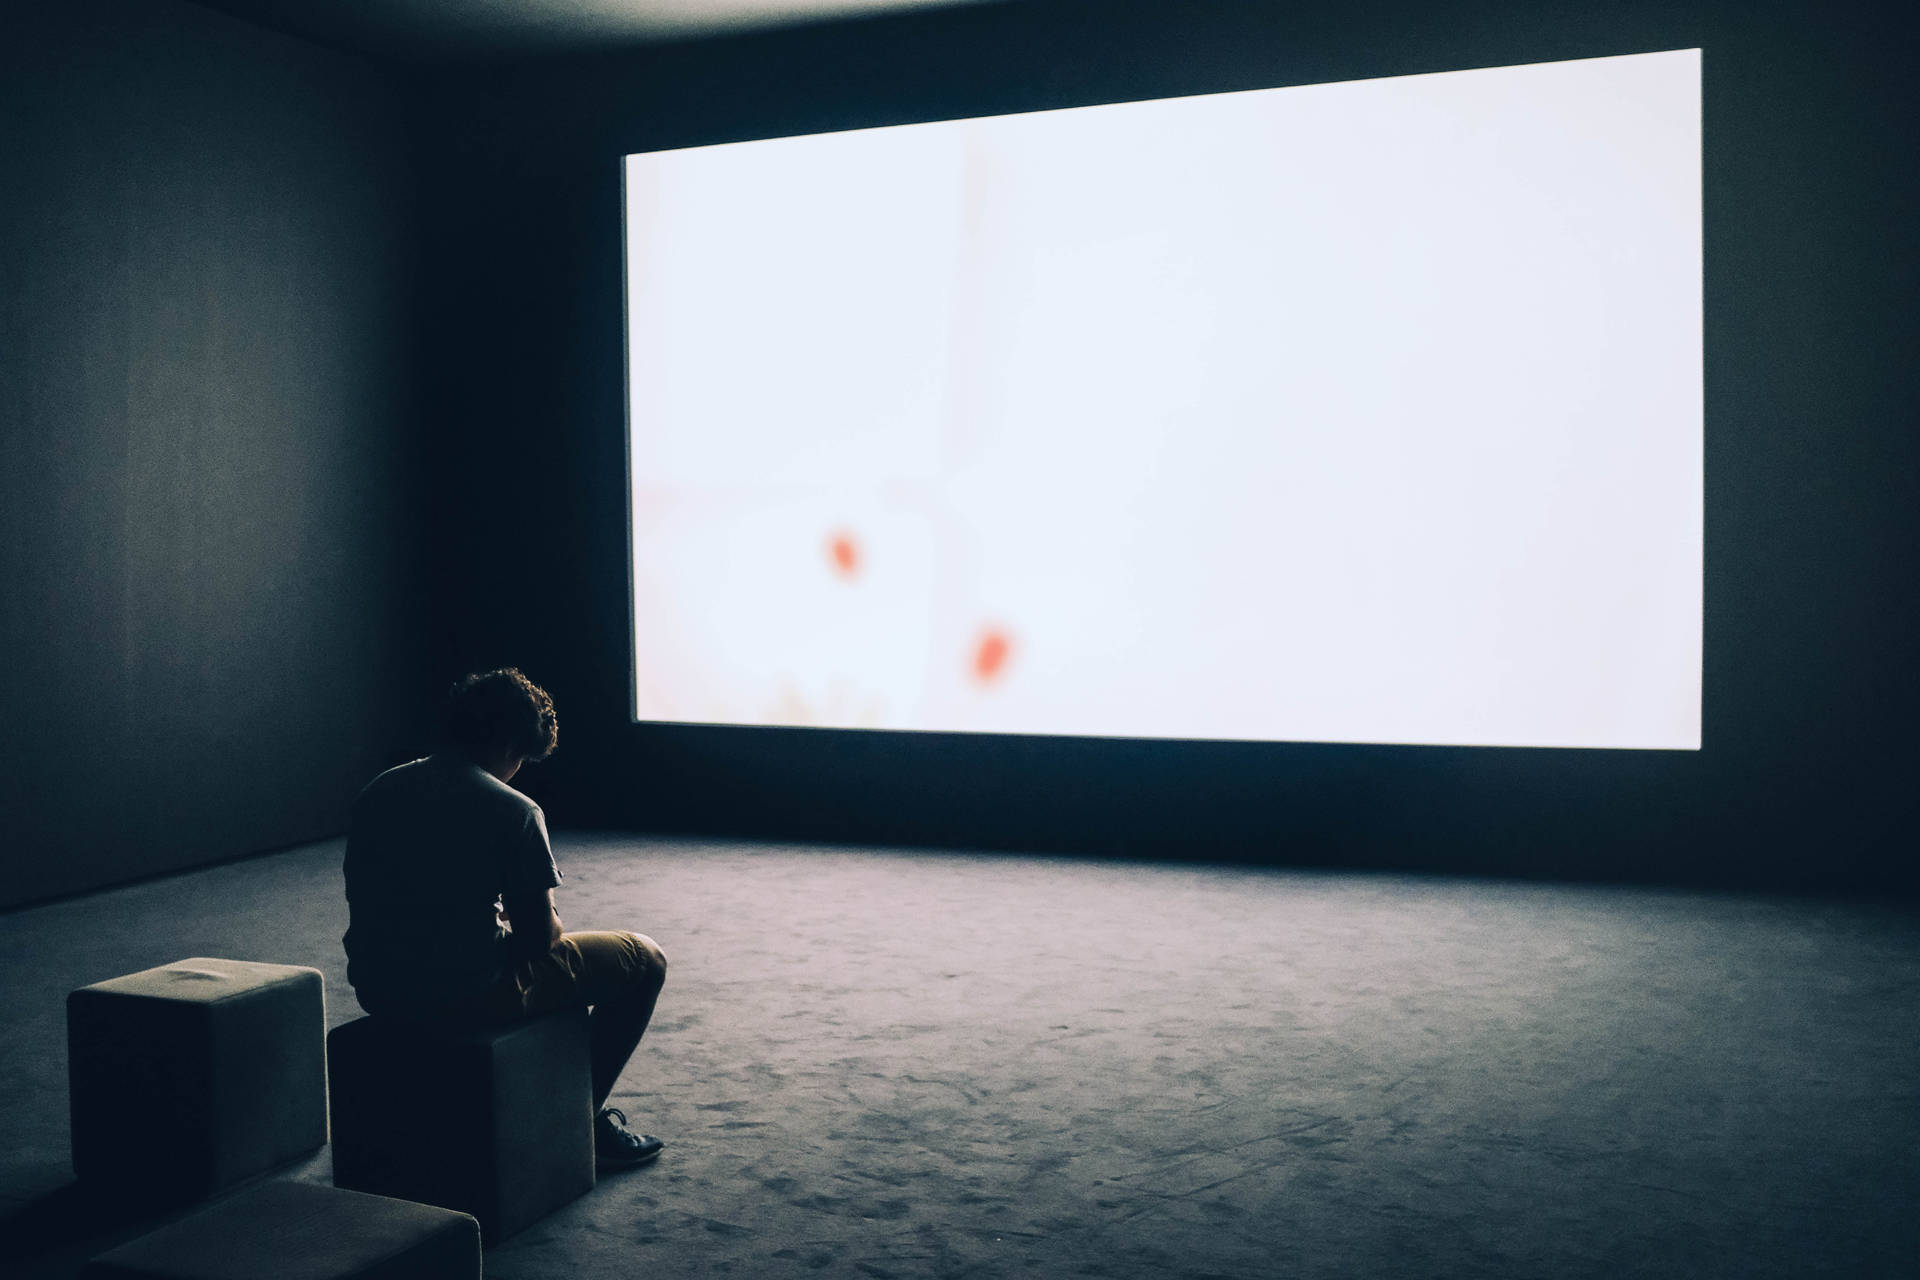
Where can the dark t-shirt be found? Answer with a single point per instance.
(433, 846)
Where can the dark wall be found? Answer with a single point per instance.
(208, 569)
(1812, 486)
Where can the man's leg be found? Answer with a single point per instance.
(619, 975)
(623, 976)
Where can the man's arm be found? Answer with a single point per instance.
(534, 922)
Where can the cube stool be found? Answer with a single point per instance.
(216, 1068)
(496, 1122)
(301, 1231)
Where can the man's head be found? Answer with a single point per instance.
(499, 718)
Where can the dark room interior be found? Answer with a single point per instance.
(311, 376)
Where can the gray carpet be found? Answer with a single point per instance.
(905, 1064)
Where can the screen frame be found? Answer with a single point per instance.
(632, 648)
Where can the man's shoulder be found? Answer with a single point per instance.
(507, 798)
(446, 780)
(398, 776)
(397, 781)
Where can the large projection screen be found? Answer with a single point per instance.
(1363, 412)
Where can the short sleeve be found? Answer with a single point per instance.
(528, 865)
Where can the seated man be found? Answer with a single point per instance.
(450, 892)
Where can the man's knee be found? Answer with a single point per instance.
(649, 961)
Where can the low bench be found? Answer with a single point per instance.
(302, 1231)
(215, 1068)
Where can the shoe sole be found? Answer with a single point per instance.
(607, 1164)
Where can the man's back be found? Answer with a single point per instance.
(433, 845)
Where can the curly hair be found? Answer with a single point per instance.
(493, 711)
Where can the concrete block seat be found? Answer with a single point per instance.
(215, 1067)
(300, 1231)
(496, 1122)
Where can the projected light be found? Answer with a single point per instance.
(1362, 412)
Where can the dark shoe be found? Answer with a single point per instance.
(617, 1147)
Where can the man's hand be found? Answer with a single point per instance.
(533, 922)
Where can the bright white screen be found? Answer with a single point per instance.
(1363, 412)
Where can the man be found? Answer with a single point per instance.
(450, 883)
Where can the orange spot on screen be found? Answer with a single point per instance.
(990, 654)
(844, 553)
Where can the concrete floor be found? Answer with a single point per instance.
(905, 1064)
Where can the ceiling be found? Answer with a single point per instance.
(494, 30)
